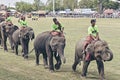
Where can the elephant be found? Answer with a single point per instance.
(50, 46)
(2, 19)
(6, 31)
(100, 52)
(22, 37)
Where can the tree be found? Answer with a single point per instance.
(70, 4)
(86, 4)
(110, 4)
(58, 5)
(38, 5)
(98, 5)
(23, 6)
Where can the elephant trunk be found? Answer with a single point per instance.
(108, 56)
(32, 35)
(61, 54)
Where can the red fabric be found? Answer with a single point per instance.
(88, 40)
(87, 57)
(55, 33)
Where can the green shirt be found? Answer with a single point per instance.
(23, 23)
(55, 27)
(93, 30)
(8, 19)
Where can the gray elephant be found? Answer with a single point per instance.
(6, 31)
(100, 52)
(50, 46)
(2, 19)
(22, 37)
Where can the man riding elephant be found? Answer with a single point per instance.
(93, 35)
(8, 19)
(57, 28)
(90, 49)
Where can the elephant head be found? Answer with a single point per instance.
(101, 50)
(57, 45)
(27, 33)
(11, 29)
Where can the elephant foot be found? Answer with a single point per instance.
(51, 71)
(17, 54)
(25, 57)
(46, 66)
(102, 78)
(37, 64)
(57, 66)
(74, 67)
(5, 50)
(83, 75)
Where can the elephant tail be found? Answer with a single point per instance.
(31, 50)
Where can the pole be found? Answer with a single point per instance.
(54, 7)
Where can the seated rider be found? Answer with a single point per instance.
(8, 19)
(57, 28)
(22, 22)
(93, 35)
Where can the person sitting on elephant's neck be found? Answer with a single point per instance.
(57, 28)
(93, 36)
(22, 22)
(8, 19)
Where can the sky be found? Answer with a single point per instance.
(12, 2)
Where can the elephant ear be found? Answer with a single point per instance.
(90, 48)
(15, 27)
(53, 41)
(105, 43)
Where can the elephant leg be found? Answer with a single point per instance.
(25, 49)
(85, 67)
(4, 43)
(51, 66)
(37, 57)
(58, 59)
(100, 66)
(76, 61)
(45, 60)
(11, 42)
(16, 49)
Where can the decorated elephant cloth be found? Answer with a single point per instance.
(57, 33)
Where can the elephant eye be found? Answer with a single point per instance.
(107, 47)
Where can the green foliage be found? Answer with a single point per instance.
(58, 5)
(38, 5)
(86, 4)
(27, 7)
(66, 4)
(111, 4)
(23, 6)
(70, 4)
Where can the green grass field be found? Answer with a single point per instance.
(14, 67)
